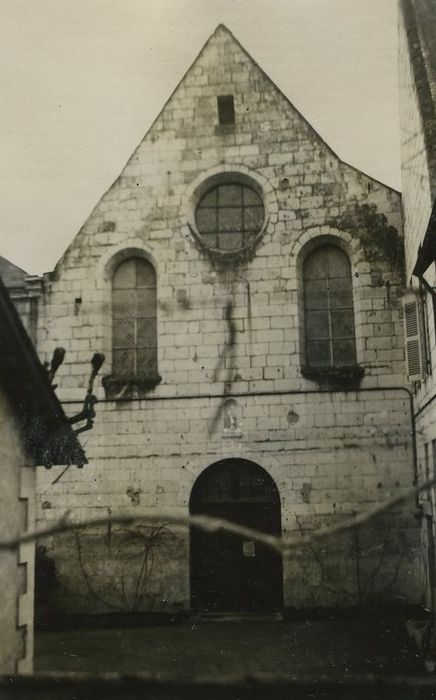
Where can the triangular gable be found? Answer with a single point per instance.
(222, 29)
(192, 82)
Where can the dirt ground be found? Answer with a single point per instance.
(209, 648)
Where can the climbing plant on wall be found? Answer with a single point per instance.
(380, 241)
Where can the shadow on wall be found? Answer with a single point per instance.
(112, 570)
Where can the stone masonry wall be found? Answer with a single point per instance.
(346, 451)
(330, 455)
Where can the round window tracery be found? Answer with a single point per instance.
(229, 216)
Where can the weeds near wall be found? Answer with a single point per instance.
(371, 574)
(45, 575)
(130, 557)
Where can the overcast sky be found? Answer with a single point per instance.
(82, 80)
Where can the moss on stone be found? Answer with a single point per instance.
(380, 241)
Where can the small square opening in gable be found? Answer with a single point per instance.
(226, 109)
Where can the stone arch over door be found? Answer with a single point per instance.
(228, 573)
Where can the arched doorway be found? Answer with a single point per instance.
(227, 572)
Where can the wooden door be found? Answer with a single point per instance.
(228, 573)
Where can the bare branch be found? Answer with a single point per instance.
(283, 545)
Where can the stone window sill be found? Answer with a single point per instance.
(345, 378)
(119, 388)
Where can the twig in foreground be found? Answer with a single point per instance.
(282, 544)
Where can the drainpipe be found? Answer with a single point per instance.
(429, 630)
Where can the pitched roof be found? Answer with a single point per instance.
(12, 275)
(47, 436)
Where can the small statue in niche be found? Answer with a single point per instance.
(231, 422)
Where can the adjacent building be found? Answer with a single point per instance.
(24, 290)
(34, 431)
(417, 73)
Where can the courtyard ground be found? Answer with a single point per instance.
(189, 649)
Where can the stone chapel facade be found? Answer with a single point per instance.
(245, 285)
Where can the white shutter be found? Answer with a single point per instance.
(413, 337)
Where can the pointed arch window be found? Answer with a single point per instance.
(134, 333)
(330, 339)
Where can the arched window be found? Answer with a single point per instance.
(134, 337)
(328, 309)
